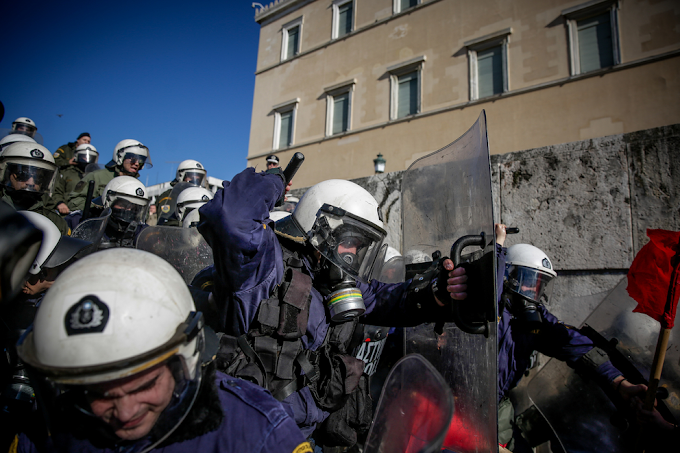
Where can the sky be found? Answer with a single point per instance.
(176, 75)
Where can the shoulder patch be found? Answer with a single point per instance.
(56, 154)
(79, 186)
(165, 208)
(304, 447)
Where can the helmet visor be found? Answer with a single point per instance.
(87, 157)
(530, 283)
(349, 242)
(25, 129)
(135, 159)
(128, 209)
(194, 177)
(27, 177)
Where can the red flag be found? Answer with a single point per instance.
(653, 277)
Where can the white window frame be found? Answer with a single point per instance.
(331, 93)
(284, 37)
(399, 69)
(284, 107)
(500, 38)
(396, 6)
(336, 16)
(584, 11)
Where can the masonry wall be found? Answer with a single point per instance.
(587, 204)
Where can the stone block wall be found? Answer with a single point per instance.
(587, 204)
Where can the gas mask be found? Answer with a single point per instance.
(526, 289)
(342, 297)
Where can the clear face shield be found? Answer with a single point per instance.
(133, 159)
(350, 242)
(28, 176)
(86, 157)
(530, 283)
(127, 208)
(195, 178)
(160, 398)
(25, 129)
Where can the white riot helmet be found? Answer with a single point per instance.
(131, 149)
(193, 172)
(55, 249)
(278, 215)
(86, 154)
(90, 330)
(394, 269)
(13, 138)
(127, 198)
(529, 273)
(28, 167)
(24, 126)
(191, 198)
(336, 216)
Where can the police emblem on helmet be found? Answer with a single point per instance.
(140, 192)
(87, 315)
(546, 263)
(198, 165)
(37, 153)
(205, 198)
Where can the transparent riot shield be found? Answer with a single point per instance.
(586, 417)
(93, 228)
(446, 196)
(184, 248)
(414, 410)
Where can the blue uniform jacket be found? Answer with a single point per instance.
(555, 339)
(249, 265)
(253, 422)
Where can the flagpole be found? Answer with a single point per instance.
(662, 343)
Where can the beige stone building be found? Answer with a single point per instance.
(344, 80)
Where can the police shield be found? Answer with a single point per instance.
(414, 410)
(446, 197)
(184, 248)
(587, 417)
(92, 229)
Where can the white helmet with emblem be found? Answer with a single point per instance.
(86, 154)
(191, 198)
(127, 198)
(529, 273)
(28, 167)
(91, 330)
(337, 214)
(193, 172)
(131, 149)
(24, 126)
(13, 138)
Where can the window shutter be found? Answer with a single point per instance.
(407, 103)
(406, 4)
(293, 42)
(595, 43)
(490, 71)
(286, 129)
(344, 19)
(340, 113)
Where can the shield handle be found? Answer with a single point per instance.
(456, 250)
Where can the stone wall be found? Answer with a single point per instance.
(587, 204)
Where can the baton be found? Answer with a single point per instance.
(511, 230)
(88, 200)
(293, 166)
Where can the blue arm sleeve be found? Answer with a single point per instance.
(236, 224)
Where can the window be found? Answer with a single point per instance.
(403, 5)
(290, 39)
(339, 107)
(343, 18)
(488, 67)
(284, 124)
(405, 88)
(593, 36)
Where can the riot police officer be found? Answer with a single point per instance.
(296, 289)
(126, 368)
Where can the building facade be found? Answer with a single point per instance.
(344, 80)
